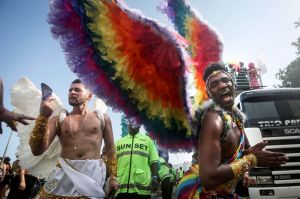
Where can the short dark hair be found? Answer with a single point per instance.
(77, 81)
(211, 68)
(6, 160)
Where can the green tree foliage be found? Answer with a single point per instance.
(297, 43)
(289, 76)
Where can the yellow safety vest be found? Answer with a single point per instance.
(135, 155)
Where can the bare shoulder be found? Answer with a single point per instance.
(53, 119)
(212, 117)
(106, 118)
(107, 122)
(212, 123)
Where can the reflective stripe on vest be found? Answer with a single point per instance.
(141, 153)
(135, 186)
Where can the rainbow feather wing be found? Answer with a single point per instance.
(131, 62)
(204, 45)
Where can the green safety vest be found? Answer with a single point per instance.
(135, 155)
(180, 173)
(164, 170)
(173, 175)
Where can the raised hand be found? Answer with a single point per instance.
(47, 107)
(267, 158)
(10, 118)
(113, 184)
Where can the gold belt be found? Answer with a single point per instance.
(44, 195)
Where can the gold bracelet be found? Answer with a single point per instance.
(112, 165)
(38, 133)
(240, 166)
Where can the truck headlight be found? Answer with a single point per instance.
(264, 180)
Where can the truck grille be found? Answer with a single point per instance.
(285, 140)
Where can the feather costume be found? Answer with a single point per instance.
(204, 45)
(25, 98)
(135, 64)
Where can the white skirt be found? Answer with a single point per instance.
(76, 178)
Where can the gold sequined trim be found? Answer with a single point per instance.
(112, 165)
(44, 195)
(195, 169)
(58, 164)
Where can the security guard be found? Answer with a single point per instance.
(137, 164)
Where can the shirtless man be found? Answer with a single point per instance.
(224, 153)
(80, 172)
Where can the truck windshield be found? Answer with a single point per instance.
(275, 109)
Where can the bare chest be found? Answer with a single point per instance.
(81, 127)
(231, 141)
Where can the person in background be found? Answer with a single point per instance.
(253, 76)
(5, 175)
(180, 171)
(189, 180)
(137, 164)
(173, 172)
(23, 185)
(165, 177)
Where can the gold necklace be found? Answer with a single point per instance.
(71, 130)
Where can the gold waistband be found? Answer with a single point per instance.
(44, 195)
(58, 164)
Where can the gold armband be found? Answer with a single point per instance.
(240, 166)
(38, 133)
(112, 165)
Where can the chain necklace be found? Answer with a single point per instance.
(75, 138)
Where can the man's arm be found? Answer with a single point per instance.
(212, 172)
(110, 146)
(41, 137)
(44, 130)
(22, 184)
(110, 153)
(9, 117)
(154, 169)
(154, 159)
(154, 178)
(154, 165)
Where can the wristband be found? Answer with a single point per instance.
(39, 132)
(240, 166)
(154, 177)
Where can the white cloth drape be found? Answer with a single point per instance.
(77, 178)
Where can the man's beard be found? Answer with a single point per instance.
(75, 103)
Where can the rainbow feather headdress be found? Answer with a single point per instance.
(135, 64)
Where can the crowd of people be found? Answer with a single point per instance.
(131, 167)
(16, 182)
